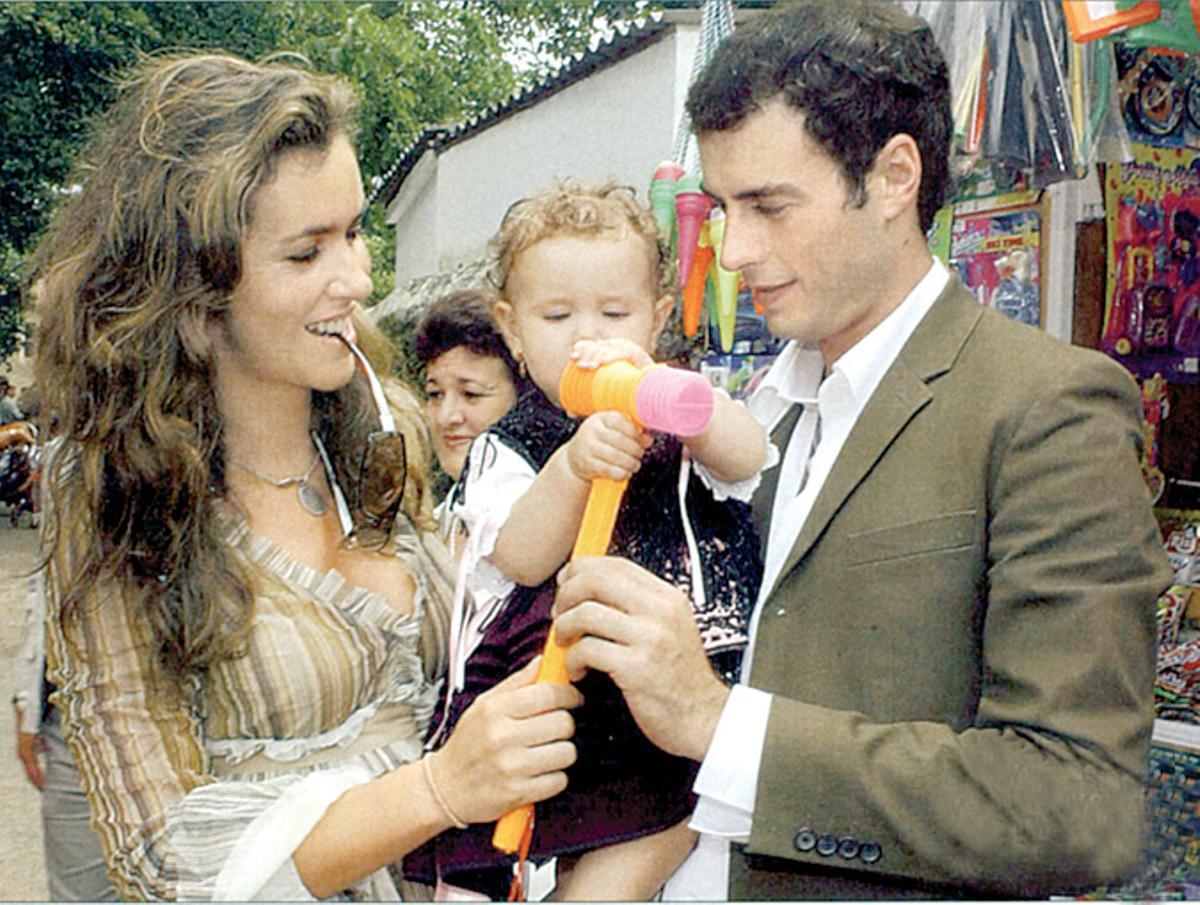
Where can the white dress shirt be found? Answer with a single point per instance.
(728, 778)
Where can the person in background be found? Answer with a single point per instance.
(246, 594)
(75, 870)
(471, 380)
(949, 685)
(9, 410)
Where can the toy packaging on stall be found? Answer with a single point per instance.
(754, 349)
(1181, 537)
(1152, 311)
(736, 374)
(1177, 691)
(1177, 688)
(997, 255)
(1160, 97)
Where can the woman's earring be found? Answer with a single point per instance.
(521, 366)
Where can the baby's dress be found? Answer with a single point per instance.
(622, 786)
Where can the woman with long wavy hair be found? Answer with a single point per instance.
(247, 594)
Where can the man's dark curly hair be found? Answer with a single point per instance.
(461, 319)
(860, 71)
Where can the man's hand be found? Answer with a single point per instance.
(640, 630)
(31, 747)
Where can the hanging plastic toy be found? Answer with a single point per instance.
(725, 283)
(662, 196)
(681, 207)
(691, 210)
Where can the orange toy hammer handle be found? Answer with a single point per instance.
(599, 517)
(595, 532)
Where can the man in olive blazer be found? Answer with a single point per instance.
(949, 685)
(960, 645)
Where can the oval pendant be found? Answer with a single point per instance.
(312, 500)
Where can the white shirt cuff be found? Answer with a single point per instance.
(728, 777)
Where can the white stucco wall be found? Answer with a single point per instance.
(618, 123)
(413, 213)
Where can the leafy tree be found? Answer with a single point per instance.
(417, 63)
(57, 63)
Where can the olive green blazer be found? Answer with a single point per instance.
(961, 643)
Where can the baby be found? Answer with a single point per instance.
(582, 277)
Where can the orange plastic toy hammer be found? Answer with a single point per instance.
(661, 398)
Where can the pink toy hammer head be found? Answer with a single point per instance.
(674, 401)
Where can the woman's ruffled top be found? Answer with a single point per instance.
(203, 791)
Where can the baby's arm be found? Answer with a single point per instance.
(539, 533)
(630, 871)
(733, 445)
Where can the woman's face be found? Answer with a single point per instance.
(304, 266)
(465, 394)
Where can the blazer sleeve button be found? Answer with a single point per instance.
(870, 852)
(806, 840)
(826, 846)
(848, 848)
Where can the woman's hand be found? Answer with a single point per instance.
(510, 748)
(607, 445)
(31, 747)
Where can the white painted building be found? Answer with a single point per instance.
(611, 114)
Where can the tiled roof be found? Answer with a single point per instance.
(620, 45)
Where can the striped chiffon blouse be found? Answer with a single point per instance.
(189, 787)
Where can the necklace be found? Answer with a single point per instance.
(310, 497)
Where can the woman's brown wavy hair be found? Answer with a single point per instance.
(137, 263)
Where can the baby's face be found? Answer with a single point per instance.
(564, 289)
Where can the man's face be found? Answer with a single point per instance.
(813, 257)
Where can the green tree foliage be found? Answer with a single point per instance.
(417, 63)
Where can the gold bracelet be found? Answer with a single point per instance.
(427, 766)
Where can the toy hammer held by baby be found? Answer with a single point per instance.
(657, 397)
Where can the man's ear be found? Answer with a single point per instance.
(897, 175)
(505, 318)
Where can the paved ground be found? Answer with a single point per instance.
(22, 874)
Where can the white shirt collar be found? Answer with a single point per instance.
(795, 374)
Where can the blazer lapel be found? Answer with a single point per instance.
(903, 391)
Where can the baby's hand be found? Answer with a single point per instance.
(607, 445)
(592, 353)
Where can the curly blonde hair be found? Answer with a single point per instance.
(135, 267)
(571, 209)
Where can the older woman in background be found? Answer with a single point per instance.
(470, 377)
